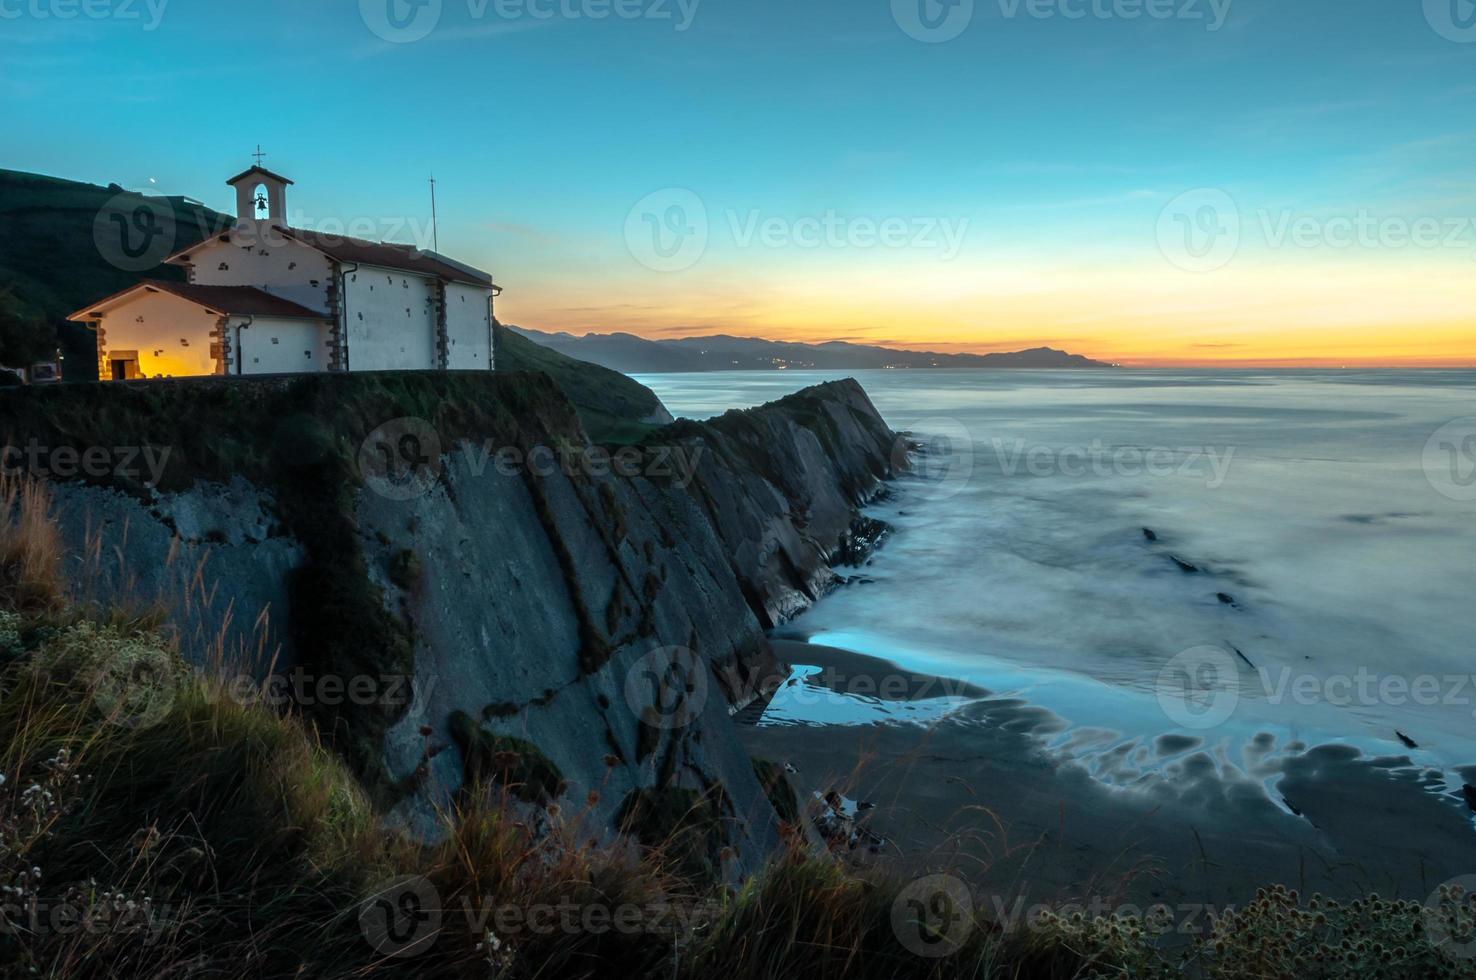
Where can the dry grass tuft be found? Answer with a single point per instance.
(31, 579)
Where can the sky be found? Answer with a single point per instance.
(1149, 182)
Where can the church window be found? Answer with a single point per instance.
(260, 204)
(224, 267)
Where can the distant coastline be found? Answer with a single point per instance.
(630, 354)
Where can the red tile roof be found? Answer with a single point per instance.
(388, 255)
(230, 300)
(259, 170)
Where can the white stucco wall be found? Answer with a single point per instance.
(391, 320)
(268, 262)
(468, 328)
(171, 336)
(267, 345)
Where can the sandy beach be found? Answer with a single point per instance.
(978, 791)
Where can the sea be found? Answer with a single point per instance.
(1250, 559)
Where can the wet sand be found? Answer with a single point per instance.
(978, 792)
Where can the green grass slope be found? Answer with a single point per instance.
(63, 248)
(614, 408)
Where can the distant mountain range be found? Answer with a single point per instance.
(636, 355)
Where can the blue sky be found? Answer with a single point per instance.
(1058, 141)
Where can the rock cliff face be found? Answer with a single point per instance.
(455, 583)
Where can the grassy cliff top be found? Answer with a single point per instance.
(614, 408)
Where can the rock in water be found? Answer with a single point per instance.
(1149, 534)
(1227, 599)
(1184, 566)
(1469, 792)
(1409, 743)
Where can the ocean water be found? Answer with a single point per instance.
(1330, 517)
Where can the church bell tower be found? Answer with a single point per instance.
(261, 196)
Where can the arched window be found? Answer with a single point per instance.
(261, 207)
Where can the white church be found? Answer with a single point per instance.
(266, 298)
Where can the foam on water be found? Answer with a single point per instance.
(1020, 562)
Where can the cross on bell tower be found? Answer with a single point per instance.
(261, 196)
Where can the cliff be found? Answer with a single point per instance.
(449, 578)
